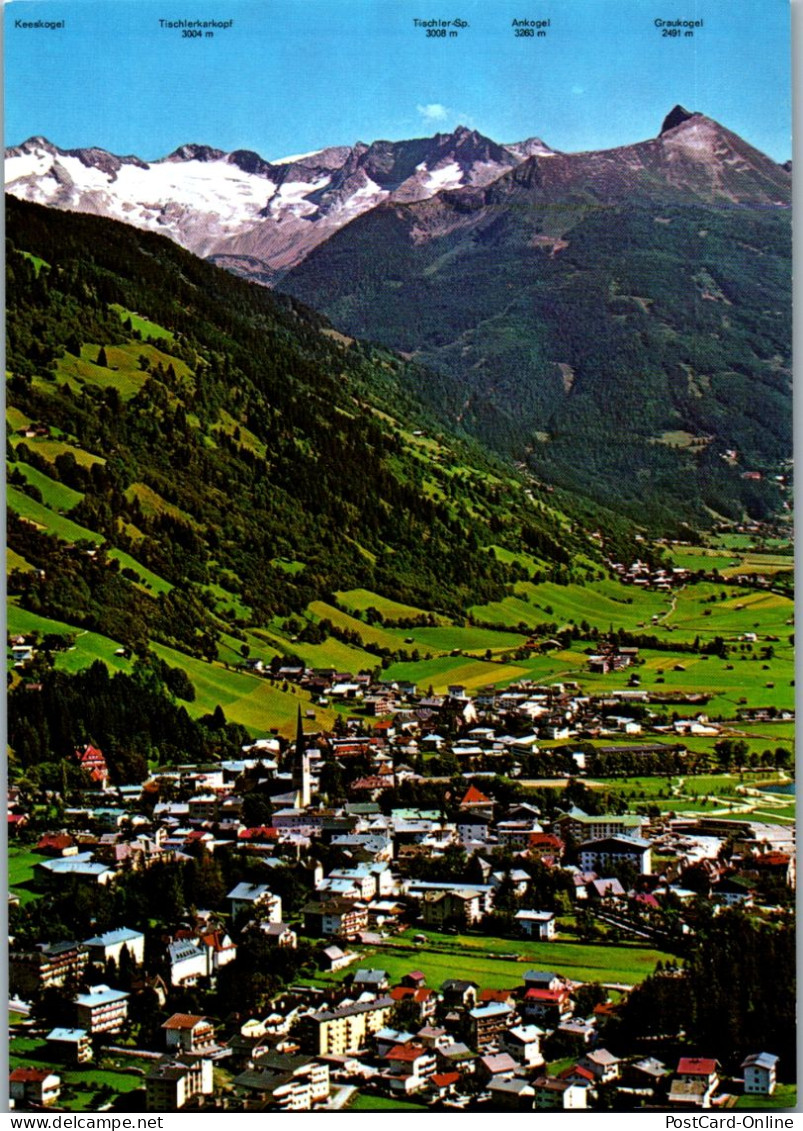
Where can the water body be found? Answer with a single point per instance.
(781, 787)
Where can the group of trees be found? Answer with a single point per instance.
(734, 995)
(132, 718)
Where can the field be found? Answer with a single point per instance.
(470, 957)
(144, 326)
(445, 670)
(48, 520)
(247, 699)
(725, 795)
(783, 1098)
(369, 633)
(363, 599)
(362, 1103)
(55, 495)
(122, 372)
(15, 561)
(600, 604)
(383, 1103)
(82, 1089)
(21, 862)
(49, 449)
(333, 653)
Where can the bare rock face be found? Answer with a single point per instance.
(262, 218)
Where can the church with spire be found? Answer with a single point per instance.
(301, 770)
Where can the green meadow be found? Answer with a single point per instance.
(57, 496)
(144, 326)
(471, 957)
(363, 599)
(50, 449)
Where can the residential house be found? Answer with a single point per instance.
(188, 1032)
(544, 980)
(602, 1064)
(102, 1009)
(174, 1081)
(280, 934)
(536, 924)
(760, 1074)
(461, 906)
(548, 1007)
(93, 764)
(341, 917)
(523, 1043)
(409, 1067)
(80, 867)
(336, 959)
(219, 950)
(36, 1086)
(499, 1065)
(347, 1028)
(258, 900)
(74, 1046)
(580, 826)
(31, 972)
(511, 1094)
(602, 855)
(457, 992)
(696, 1080)
(371, 980)
(487, 1022)
(110, 945)
(286, 1081)
(188, 962)
(423, 998)
(553, 1094)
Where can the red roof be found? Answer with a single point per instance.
(474, 797)
(546, 840)
(577, 1070)
(57, 841)
(259, 832)
(445, 1079)
(646, 898)
(551, 996)
(216, 940)
(29, 1075)
(374, 782)
(606, 1009)
(406, 1052)
(696, 1066)
(495, 995)
(774, 859)
(183, 1021)
(407, 993)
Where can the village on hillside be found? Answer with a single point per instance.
(420, 910)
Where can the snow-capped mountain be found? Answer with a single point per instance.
(256, 217)
(261, 219)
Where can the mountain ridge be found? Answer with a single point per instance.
(262, 218)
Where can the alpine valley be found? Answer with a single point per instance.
(399, 557)
(618, 321)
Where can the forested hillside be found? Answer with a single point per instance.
(191, 455)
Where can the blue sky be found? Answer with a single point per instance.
(296, 75)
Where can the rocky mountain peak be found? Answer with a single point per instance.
(676, 117)
(195, 153)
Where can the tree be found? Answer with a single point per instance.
(102, 360)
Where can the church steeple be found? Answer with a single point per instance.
(301, 776)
